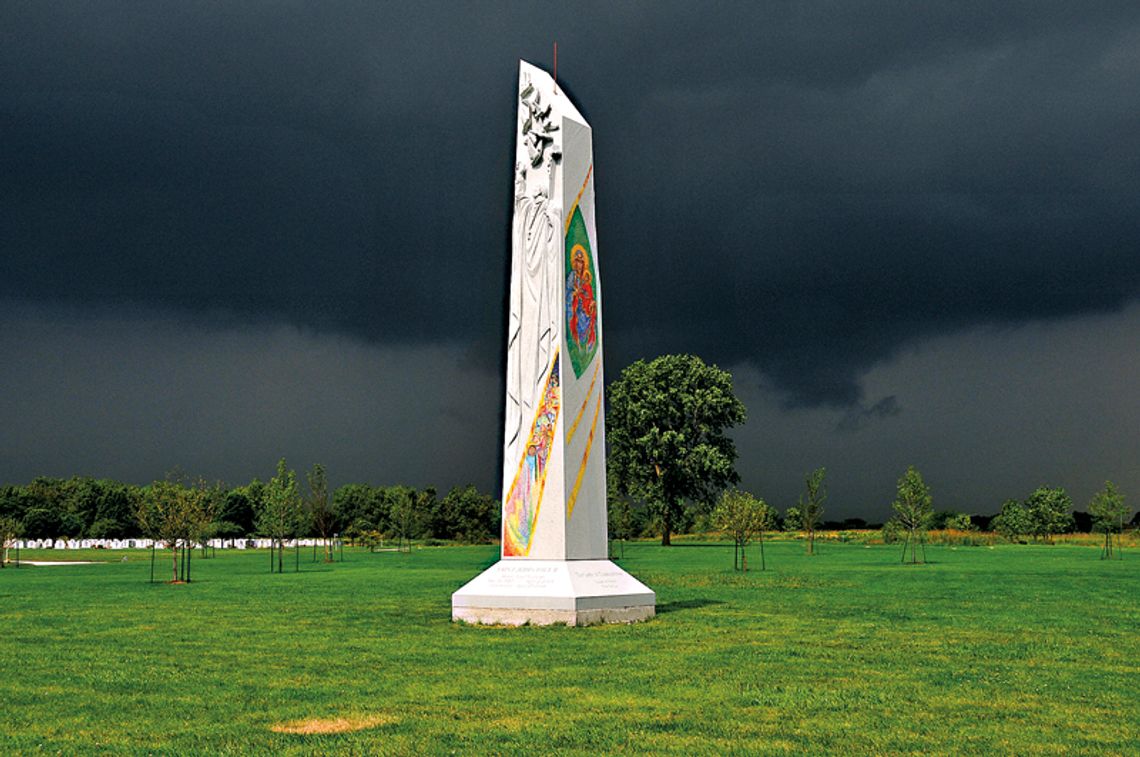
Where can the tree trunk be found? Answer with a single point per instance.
(174, 563)
(280, 555)
(762, 565)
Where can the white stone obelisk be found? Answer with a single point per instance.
(554, 566)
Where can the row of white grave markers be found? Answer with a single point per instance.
(147, 543)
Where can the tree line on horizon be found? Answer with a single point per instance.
(670, 464)
(672, 467)
(91, 508)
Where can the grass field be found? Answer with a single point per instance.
(1013, 649)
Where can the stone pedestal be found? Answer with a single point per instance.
(545, 592)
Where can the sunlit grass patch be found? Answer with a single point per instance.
(321, 726)
(1026, 649)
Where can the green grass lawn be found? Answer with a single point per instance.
(1013, 649)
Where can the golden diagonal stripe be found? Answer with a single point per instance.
(582, 410)
(570, 213)
(585, 459)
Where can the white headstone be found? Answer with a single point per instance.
(554, 566)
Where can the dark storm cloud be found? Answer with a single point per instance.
(858, 417)
(805, 188)
(130, 396)
(987, 414)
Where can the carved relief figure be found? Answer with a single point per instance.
(534, 307)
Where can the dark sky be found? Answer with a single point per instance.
(235, 231)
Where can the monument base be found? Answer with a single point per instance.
(543, 592)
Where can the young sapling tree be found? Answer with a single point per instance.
(810, 505)
(913, 508)
(1109, 511)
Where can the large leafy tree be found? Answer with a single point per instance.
(1014, 520)
(666, 426)
(238, 514)
(1050, 511)
(620, 516)
(1047, 511)
(470, 515)
(360, 508)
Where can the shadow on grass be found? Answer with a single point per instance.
(635, 546)
(686, 604)
(698, 544)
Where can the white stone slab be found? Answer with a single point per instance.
(541, 592)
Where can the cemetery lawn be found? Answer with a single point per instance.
(1029, 649)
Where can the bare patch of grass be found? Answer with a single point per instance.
(320, 726)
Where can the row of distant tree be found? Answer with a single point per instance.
(102, 508)
(670, 460)
(672, 465)
(281, 508)
(1045, 513)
